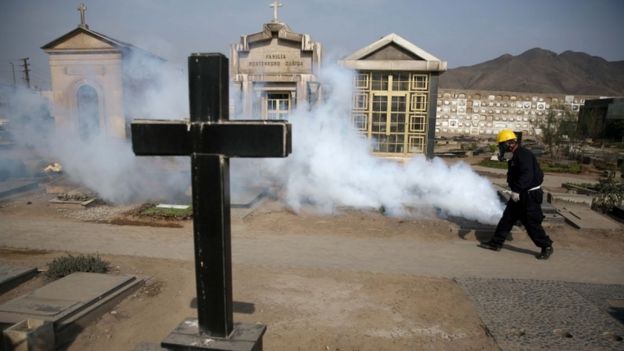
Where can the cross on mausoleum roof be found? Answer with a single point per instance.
(275, 5)
(82, 9)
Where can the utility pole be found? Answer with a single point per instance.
(13, 69)
(26, 71)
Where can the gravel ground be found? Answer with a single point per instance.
(96, 213)
(549, 315)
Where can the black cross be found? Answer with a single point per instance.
(210, 138)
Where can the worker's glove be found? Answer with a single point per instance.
(515, 197)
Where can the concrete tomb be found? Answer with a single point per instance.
(11, 276)
(68, 303)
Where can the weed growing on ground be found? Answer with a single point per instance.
(66, 265)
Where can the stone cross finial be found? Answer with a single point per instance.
(82, 9)
(275, 5)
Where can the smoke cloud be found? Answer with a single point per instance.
(97, 160)
(331, 165)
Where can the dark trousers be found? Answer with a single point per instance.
(529, 211)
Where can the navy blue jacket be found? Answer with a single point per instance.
(523, 171)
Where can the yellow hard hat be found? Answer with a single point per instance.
(505, 135)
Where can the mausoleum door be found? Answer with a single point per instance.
(278, 106)
(88, 111)
(389, 122)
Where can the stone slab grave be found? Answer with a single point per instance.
(76, 199)
(12, 187)
(583, 217)
(70, 302)
(565, 198)
(11, 276)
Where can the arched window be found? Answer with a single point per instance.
(88, 111)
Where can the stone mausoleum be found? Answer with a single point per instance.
(89, 85)
(395, 96)
(274, 71)
(602, 119)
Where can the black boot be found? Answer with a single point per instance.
(490, 245)
(545, 254)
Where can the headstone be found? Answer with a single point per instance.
(210, 139)
(69, 301)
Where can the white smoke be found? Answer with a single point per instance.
(100, 161)
(154, 88)
(331, 166)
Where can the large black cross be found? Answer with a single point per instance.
(210, 138)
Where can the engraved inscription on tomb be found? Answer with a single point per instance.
(274, 63)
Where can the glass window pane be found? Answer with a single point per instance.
(400, 81)
(417, 123)
(361, 81)
(418, 102)
(420, 82)
(360, 102)
(416, 144)
(360, 121)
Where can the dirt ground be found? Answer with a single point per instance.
(305, 308)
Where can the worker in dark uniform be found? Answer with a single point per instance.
(524, 177)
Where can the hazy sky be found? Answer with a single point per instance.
(460, 32)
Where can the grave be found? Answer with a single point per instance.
(12, 187)
(211, 139)
(558, 198)
(73, 200)
(11, 276)
(69, 303)
(583, 217)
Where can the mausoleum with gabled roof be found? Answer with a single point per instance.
(88, 85)
(395, 95)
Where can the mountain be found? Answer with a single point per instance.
(541, 71)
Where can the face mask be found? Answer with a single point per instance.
(504, 149)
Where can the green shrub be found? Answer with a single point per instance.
(610, 194)
(66, 265)
(493, 164)
(166, 213)
(561, 168)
